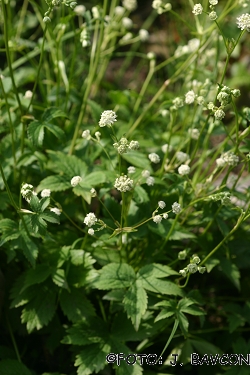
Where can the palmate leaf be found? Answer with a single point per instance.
(40, 310)
(69, 165)
(160, 286)
(10, 230)
(13, 367)
(92, 358)
(36, 276)
(36, 132)
(54, 183)
(135, 303)
(29, 248)
(52, 112)
(115, 275)
(76, 305)
(59, 278)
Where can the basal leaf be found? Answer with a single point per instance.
(36, 132)
(115, 275)
(76, 305)
(40, 310)
(135, 303)
(36, 275)
(52, 112)
(92, 359)
(29, 248)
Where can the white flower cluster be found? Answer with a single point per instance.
(194, 133)
(243, 22)
(154, 158)
(84, 37)
(90, 219)
(27, 191)
(213, 2)
(224, 197)
(166, 147)
(143, 35)
(124, 183)
(80, 10)
(190, 97)
(181, 156)
(124, 145)
(131, 170)
(160, 7)
(107, 118)
(228, 158)
(176, 208)
(177, 103)
(45, 193)
(192, 266)
(130, 4)
(127, 23)
(158, 218)
(75, 180)
(183, 169)
(197, 9)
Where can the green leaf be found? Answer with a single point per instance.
(94, 179)
(96, 110)
(155, 270)
(38, 224)
(40, 310)
(92, 359)
(52, 112)
(36, 276)
(29, 248)
(50, 217)
(13, 367)
(140, 195)
(164, 314)
(54, 129)
(70, 165)
(79, 257)
(160, 286)
(75, 305)
(231, 271)
(35, 204)
(115, 275)
(54, 183)
(204, 347)
(10, 230)
(44, 202)
(36, 132)
(135, 304)
(59, 278)
(183, 322)
(211, 263)
(137, 159)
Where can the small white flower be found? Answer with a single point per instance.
(56, 211)
(164, 112)
(197, 9)
(144, 35)
(235, 93)
(183, 273)
(230, 158)
(195, 259)
(107, 118)
(176, 208)
(95, 12)
(86, 134)
(243, 22)
(124, 183)
(45, 193)
(127, 37)
(181, 156)
(150, 181)
(183, 169)
(46, 19)
(219, 114)
(157, 219)
(119, 11)
(80, 10)
(178, 102)
(213, 2)
(131, 170)
(93, 192)
(27, 191)
(189, 97)
(182, 254)
(28, 94)
(165, 215)
(212, 16)
(162, 204)
(210, 106)
(166, 148)
(90, 219)
(200, 100)
(145, 173)
(154, 158)
(127, 23)
(97, 135)
(202, 269)
(194, 133)
(91, 231)
(75, 180)
(151, 55)
(130, 4)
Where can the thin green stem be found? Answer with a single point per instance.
(176, 323)
(12, 338)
